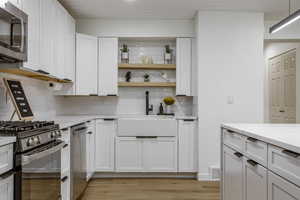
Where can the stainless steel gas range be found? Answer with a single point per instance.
(37, 158)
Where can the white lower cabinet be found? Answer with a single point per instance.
(134, 154)
(128, 154)
(187, 146)
(65, 165)
(256, 181)
(160, 155)
(280, 189)
(7, 188)
(90, 145)
(105, 145)
(233, 174)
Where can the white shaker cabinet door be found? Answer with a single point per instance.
(70, 48)
(7, 188)
(129, 154)
(184, 67)
(86, 64)
(280, 189)
(108, 67)
(256, 181)
(32, 9)
(187, 146)
(160, 155)
(91, 148)
(233, 180)
(105, 145)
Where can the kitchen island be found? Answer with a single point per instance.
(260, 161)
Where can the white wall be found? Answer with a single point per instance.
(274, 49)
(231, 64)
(123, 28)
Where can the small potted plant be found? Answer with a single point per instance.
(168, 54)
(125, 54)
(146, 78)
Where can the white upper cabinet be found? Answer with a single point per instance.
(86, 65)
(187, 146)
(108, 67)
(70, 48)
(184, 67)
(32, 9)
(47, 33)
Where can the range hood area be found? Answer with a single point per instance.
(18, 69)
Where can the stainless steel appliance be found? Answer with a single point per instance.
(13, 33)
(37, 159)
(78, 160)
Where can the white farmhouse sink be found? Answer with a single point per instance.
(159, 126)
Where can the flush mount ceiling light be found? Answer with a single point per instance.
(286, 21)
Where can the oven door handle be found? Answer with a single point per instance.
(28, 159)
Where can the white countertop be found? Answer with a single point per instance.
(66, 121)
(286, 136)
(7, 140)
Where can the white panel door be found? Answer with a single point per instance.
(129, 155)
(256, 181)
(184, 66)
(108, 67)
(47, 33)
(86, 64)
(7, 188)
(283, 88)
(32, 9)
(280, 189)
(160, 154)
(233, 181)
(105, 145)
(187, 146)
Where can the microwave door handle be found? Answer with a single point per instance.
(22, 35)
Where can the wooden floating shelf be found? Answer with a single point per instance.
(149, 66)
(147, 84)
(34, 75)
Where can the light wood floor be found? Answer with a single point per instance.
(151, 189)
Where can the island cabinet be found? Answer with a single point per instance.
(253, 169)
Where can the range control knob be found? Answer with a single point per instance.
(36, 140)
(30, 142)
(53, 134)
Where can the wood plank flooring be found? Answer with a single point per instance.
(151, 189)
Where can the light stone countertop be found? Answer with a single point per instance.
(286, 136)
(66, 121)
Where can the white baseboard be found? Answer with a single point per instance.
(145, 175)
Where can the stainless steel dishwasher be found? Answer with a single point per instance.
(78, 160)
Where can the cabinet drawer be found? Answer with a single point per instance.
(280, 189)
(6, 158)
(284, 163)
(257, 150)
(234, 140)
(7, 187)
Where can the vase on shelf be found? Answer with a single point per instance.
(125, 54)
(168, 55)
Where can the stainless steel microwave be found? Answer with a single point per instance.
(13, 33)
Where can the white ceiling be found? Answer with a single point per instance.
(171, 9)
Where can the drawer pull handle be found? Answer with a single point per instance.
(146, 137)
(239, 155)
(230, 131)
(90, 132)
(252, 139)
(66, 145)
(252, 162)
(64, 129)
(108, 119)
(64, 179)
(290, 153)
